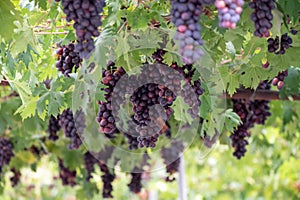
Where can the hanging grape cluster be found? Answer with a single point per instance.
(66, 175)
(53, 127)
(68, 59)
(250, 112)
(6, 152)
(87, 19)
(229, 12)
(105, 117)
(135, 185)
(171, 156)
(279, 46)
(262, 16)
(107, 177)
(278, 81)
(185, 16)
(69, 126)
(147, 124)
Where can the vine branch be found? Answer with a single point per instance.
(259, 95)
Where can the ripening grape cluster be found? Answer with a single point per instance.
(66, 175)
(151, 102)
(250, 112)
(279, 46)
(15, 179)
(107, 178)
(105, 117)
(279, 79)
(6, 152)
(87, 19)
(262, 16)
(135, 185)
(68, 125)
(53, 128)
(185, 16)
(171, 156)
(229, 12)
(68, 59)
(89, 162)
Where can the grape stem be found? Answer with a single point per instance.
(259, 95)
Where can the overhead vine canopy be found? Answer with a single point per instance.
(130, 85)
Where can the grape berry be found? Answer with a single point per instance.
(279, 79)
(229, 12)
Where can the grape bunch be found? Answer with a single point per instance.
(89, 162)
(229, 12)
(87, 19)
(53, 128)
(15, 179)
(280, 47)
(171, 156)
(262, 16)
(68, 59)
(151, 94)
(185, 16)
(6, 152)
(250, 112)
(279, 79)
(135, 184)
(66, 175)
(67, 123)
(107, 179)
(105, 117)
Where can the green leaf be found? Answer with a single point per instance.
(23, 37)
(28, 108)
(287, 114)
(142, 16)
(8, 15)
(180, 111)
(231, 81)
(232, 120)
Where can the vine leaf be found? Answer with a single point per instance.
(8, 15)
(232, 120)
(180, 111)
